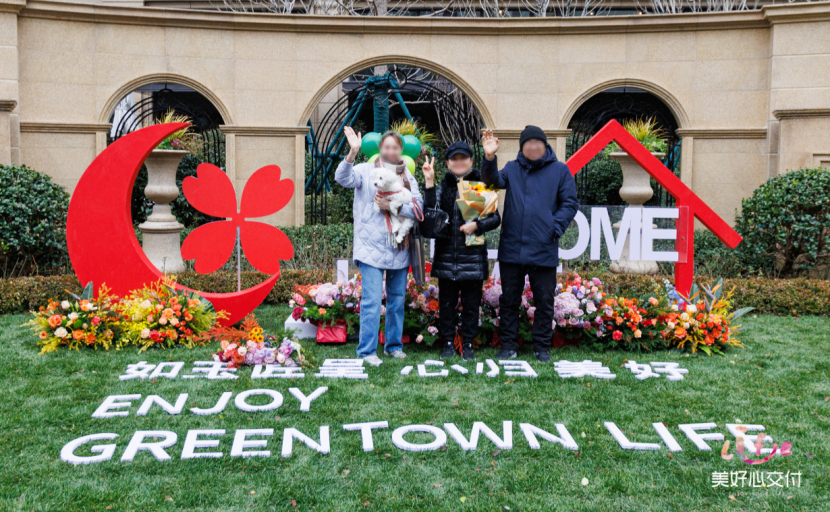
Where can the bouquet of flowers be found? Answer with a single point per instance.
(703, 321)
(476, 201)
(328, 303)
(421, 312)
(83, 321)
(287, 353)
(160, 315)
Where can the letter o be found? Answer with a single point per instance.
(105, 451)
(584, 237)
(241, 404)
(403, 444)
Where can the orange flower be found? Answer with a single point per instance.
(90, 338)
(653, 301)
(680, 333)
(433, 305)
(77, 334)
(321, 311)
(54, 321)
(43, 335)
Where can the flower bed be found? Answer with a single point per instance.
(584, 314)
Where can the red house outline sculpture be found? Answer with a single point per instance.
(683, 195)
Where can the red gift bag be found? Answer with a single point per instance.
(332, 333)
(382, 338)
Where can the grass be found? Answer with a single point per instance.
(779, 380)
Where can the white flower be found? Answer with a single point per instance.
(85, 325)
(73, 316)
(162, 321)
(691, 308)
(242, 351)
(145, 305)
(590, 308)
(585, 481)
(60, 332)
(674, 307)
(65, 304)
(174, 321)
(145, 333)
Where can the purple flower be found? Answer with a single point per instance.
(427, 294)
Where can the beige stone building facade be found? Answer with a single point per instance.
(750, 90)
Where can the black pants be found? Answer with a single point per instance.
(543, 286)
(449, 291)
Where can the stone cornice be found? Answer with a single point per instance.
(801, 112)
(723, 133)
(265, 131)
(7, 105)
(14, 6)
(421, 25)
(49, 127)
(515, 133)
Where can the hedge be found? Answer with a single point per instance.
(794, 297)
(24, 294)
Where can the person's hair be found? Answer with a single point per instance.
(395, 136)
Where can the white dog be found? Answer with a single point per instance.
(387, 181)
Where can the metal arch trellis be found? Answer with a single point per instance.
(204, 122)
(623, 105)
(324, 147)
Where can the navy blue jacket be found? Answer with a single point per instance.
(539, 205)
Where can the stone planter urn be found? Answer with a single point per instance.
(160, 232)
(635, 190)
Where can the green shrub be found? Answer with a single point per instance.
(713, 259)
(23, 294)
(317, 246)
(786, 225)
(32, 222)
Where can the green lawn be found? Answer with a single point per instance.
(781, 380)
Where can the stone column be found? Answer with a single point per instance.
(636, 190)
(6, 107)
(160, 232)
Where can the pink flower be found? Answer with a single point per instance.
(432, 330)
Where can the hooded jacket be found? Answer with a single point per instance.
(540, 203)
(453, 259)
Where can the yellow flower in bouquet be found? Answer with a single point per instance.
(476, 201)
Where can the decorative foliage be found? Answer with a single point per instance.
(786, 224)
(647, 133)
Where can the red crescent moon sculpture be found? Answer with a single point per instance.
(102, 244)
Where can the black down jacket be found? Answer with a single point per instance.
(453, 259)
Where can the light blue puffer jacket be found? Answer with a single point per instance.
(370, 230)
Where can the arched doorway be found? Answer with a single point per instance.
(600, 180)
(147, 104)
(374, 99)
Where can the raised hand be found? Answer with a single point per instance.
(429, 171)
(490, 144)
(355, 140)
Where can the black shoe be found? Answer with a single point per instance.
(467, 353)
(506, 354)
(543, 357)
(448, 352)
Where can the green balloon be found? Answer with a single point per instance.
(410, 163)
(369, 146)
(411, 146)
(373, 158)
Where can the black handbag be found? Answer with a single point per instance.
(435, 221)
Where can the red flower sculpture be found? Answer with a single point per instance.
(211, 192)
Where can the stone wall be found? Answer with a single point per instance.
(750, 90)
